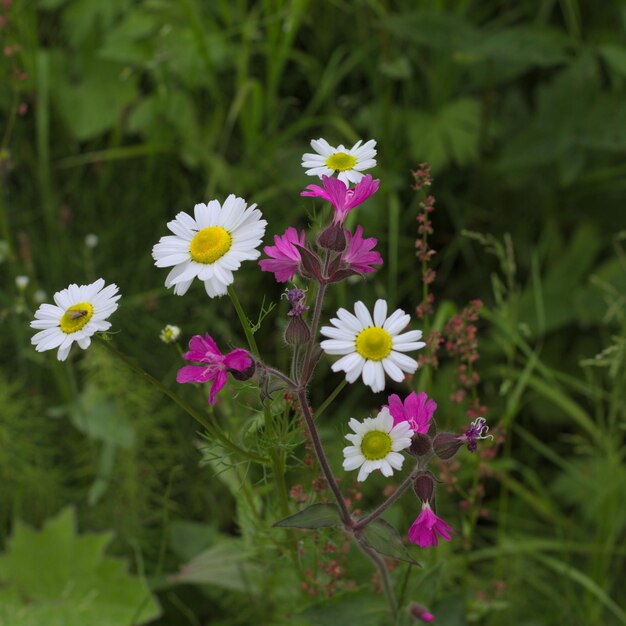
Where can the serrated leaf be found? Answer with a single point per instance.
(53, 576)
(450, 134)
(386, 540)
(315, 516)
(227, 564)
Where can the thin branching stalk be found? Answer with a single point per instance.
(218, 434)
(408, 481)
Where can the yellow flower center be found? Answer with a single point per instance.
(210, 244)
(373, 343)
(376, 445)
(340, 162)
(76, 317)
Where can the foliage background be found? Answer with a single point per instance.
(116, 115)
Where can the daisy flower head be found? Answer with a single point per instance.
(417, 409)
(79, 311)
(215, 365)
(371, 347)
(376, 445)
(347, 162)
(427, 528)
(211, 245)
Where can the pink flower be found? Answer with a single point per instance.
(359, 254)
(417, 410)
(204, 350)
(342, 198)
(427, 526)
(285, 255)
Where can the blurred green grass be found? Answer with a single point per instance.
(139, 110)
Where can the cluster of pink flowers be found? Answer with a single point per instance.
(289, 254)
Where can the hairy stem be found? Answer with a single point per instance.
(346, 518)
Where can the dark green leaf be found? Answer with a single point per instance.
(361, 609)
(314, 516)
(386, 540)
(226, 564)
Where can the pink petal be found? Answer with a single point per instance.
(203, 349)
(195, 374)
(218, 383)
(238, 360)
(396, 409)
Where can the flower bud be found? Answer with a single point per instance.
(297, 331)
(446, 445)
(332, 238)
(424, 486)
(421, 613)
(244, 374)
(420, 444)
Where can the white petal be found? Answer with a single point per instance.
(352, 462)
(412, 335)
(322, 147)
(385, 468)
(363, 315)
(350, 321)
(332, 346)
(396, 322)
(380, 312)
(405, 363)
(393, 371)
(337, 333)
(395, 459)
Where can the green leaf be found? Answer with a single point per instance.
(99, 417)
(615, 57)
(55, 577)
(386, 540)
(96, 102)
(450, 134)
(442, 31)
(363, 609)
(314, 516)
(226, 564)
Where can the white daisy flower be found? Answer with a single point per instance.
(372, 347)
(211, 246)
(79, 312)
(376, 445)
(348, 162)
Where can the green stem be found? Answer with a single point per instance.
(330, 398)
(245, 323)
(278, 464)
(228, 444)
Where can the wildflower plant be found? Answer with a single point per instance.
(371, 343)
